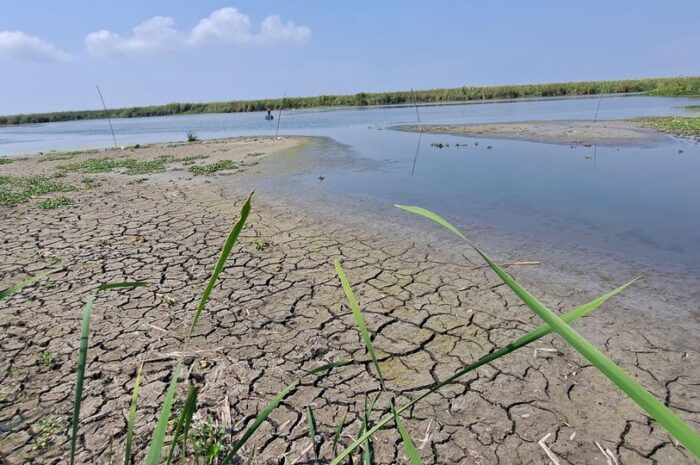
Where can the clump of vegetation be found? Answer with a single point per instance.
(90, 183)
(685, 126)
(47, 358)
(16, 190)
(688, 86)
(48, 428)
(262, 244)
(439, 145)
(133, 167)
(51, 204)
(211, 168)
(189, 158)
(192, 136)
(5, 161)
(209, 442)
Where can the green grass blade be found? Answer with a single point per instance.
(182, 424)
(156, 446)
(225, 252)
(368, 454)
(251, 456)
(80, 377)
(359, 319)
(656, 409)
(121, 285)
(131, 421)
(5, 293)
(190, 408)
(408, 445)
(511, 347)
(338, 432)
(311, 420)
(272, 405)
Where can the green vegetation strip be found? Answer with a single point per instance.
(686, 435)
(211, 168)
(16, 190)
(688, 86)
(51, 204)
(133, 167)
(685, 126)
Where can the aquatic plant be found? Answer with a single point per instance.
(192, 136)
(685, 126)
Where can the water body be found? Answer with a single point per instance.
(635, 202)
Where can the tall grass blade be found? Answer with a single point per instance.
(122, 285)
(225, 252)
(338, 432)
(367, 455)
(656, 409)
(408, 445)
(131, 421)
(272, 405)
(311, 420)
(156, 446)
(80, 376)
(511, 347)
(182, 424)
(251, 456)
(359, 319)
(5, 293)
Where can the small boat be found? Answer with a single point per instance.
(269, 117)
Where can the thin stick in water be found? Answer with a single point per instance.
(279, 115)
(415, 103)
(114, 138)
(595, 118)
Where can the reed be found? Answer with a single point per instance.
(674, 86)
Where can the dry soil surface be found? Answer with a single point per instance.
(278, 310)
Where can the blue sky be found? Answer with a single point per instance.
(53, 53)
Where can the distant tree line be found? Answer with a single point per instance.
(679, 86)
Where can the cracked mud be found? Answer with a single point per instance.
(278, 310)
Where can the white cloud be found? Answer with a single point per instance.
(154, 35)
(273, 29)
(226, 26)
(17, 44)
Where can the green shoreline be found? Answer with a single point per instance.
(675, 86)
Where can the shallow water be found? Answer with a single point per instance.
(638, 202)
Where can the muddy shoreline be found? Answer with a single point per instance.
(571, 132)
(279, 309)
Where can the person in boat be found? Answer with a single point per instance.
(269, 112)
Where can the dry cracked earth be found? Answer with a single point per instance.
(278, 310)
